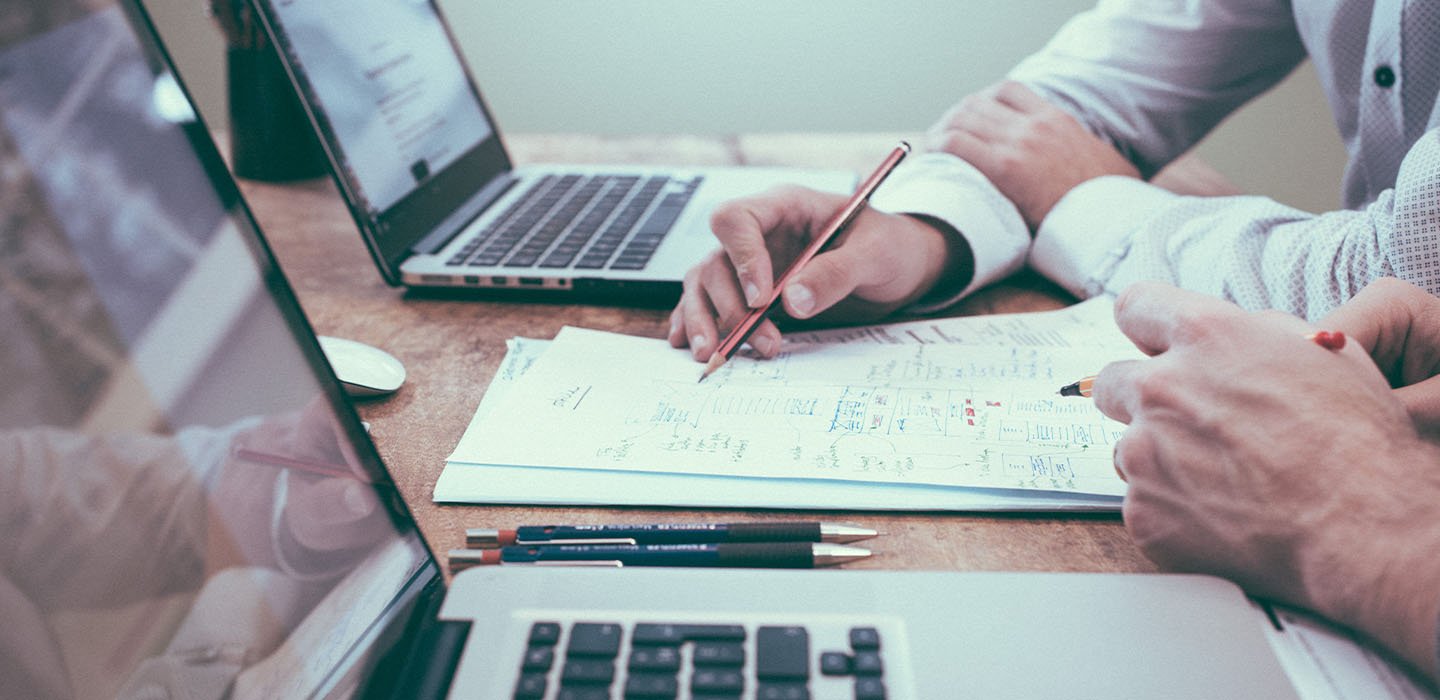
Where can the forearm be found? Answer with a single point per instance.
(1112, 232)
(1377, 570)
(1154, 79)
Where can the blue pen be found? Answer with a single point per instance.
(668, 533)
(743, 554)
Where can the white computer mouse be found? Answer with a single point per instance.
(363, 370)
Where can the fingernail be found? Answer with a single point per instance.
(752, 294)
(674, 328)
(763, 344)
(697, 342)
(801, 300)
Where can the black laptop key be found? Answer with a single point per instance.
(650, 633)
(870, 688)
(646, 658)
(584, 693)
(782, 653)
(717, 680)
(594, 639)
(835, 663)
(538, 659)
(544, 634)
(531, 685)
(864, 639)
(651, 685)
(867, 663)
(718, 654)
(587, 672)
(629, 263)
(782, 691)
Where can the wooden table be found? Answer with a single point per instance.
(452, 347)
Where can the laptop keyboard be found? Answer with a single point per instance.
(588, 222)
(705, 661)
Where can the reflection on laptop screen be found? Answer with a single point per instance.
(394, 92)
(188, 510)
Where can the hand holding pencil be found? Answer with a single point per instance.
(876, 264)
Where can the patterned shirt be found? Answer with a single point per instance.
(1153, 77)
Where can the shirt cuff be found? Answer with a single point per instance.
(1089, 230)
(943, 187)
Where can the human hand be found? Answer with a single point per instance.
(1032, 151)
(878, 264)
(1399, 325)
(1255, 454)
(327, 508)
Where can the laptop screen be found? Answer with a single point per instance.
(190, 508)
(405, 129)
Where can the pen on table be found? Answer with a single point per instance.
(842, 218)
(785, 555)
(671, 533)
(1080, 388)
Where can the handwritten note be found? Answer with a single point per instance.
(946, 407)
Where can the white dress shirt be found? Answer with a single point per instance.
(1153, 77)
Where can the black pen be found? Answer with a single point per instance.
(786, 555)
(672, 533)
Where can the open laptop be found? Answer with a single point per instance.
(420, 161)
(193, 510)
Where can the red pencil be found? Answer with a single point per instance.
(842, 218)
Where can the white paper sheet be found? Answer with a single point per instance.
(1044, 351)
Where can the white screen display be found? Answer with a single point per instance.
(391, 86)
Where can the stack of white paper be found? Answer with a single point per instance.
(956, 414)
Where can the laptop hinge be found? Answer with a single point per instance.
(451, 227)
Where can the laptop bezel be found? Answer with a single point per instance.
(465, 185)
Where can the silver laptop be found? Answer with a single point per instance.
(421, 163)
(192, 509)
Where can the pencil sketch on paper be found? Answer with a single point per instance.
(933, 413)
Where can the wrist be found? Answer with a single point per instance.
(1376, 569)
(949, 261)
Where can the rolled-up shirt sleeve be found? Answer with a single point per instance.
(945, 188)
(1111, 232)
(1153, 77)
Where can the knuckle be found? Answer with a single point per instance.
(728, 217)
(1154, 390)
(1198, 326)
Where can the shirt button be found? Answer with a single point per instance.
(1384, 76)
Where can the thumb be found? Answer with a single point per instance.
(828, 278)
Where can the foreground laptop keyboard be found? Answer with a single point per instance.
(587, 222)
(705, 661)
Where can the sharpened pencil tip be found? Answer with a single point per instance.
(717, 360)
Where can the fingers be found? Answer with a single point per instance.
(744, 225)
(1156, 315)
(1020, 98)
(1116, 389)
(710, 307)
(1397, 324)
(1422, 402)
(333, 514)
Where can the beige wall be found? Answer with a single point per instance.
(715, 66)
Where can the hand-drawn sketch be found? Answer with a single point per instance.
(947, 407)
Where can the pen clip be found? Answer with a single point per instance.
(578, 540)
(611, 563)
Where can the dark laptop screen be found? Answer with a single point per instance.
(404, 127)
(189, 508)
